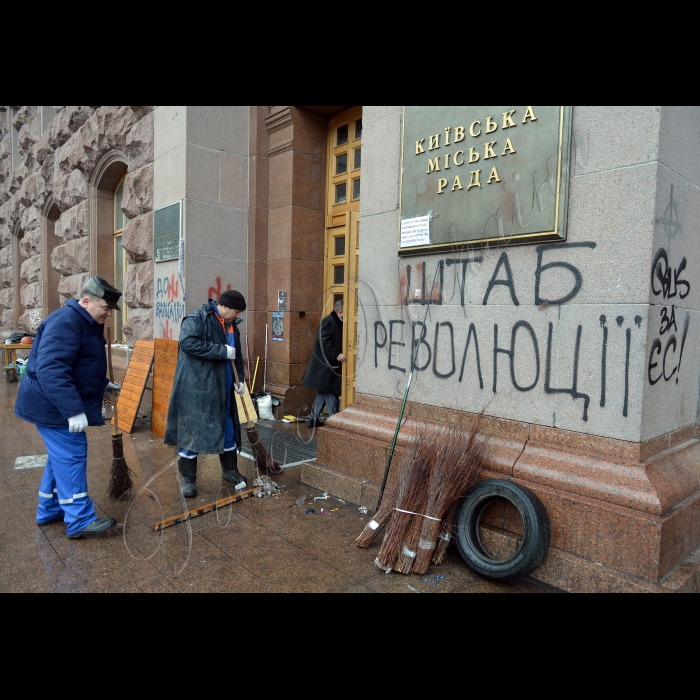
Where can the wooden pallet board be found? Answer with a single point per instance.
(164, 364)
(134, 384)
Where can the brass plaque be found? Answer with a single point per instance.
(483, 176)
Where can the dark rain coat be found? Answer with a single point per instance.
(197, 412)
(324, 373)
(66, 371)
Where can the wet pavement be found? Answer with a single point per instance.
(257, 545)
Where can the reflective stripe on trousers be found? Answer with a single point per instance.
(64, 483)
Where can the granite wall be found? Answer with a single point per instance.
(59, 167)
(598, 335)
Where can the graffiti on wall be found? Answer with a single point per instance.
(669, 283)
(517, 355)
(170, 305)
(215, 292)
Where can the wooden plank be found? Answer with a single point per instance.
(127, 403)
(128, 394)
(134, 384)
(165, 362)
(161, 385)
(138, 364)
(137, 373)
(201, 510)
(162, 407)
(164, 372)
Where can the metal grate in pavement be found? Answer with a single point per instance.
(287, 449)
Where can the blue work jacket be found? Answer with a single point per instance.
(66, 371)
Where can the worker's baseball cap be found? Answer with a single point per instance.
(104, 290)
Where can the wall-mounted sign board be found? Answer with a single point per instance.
(166, 232)
(483, 176)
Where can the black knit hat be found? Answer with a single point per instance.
(232, 299)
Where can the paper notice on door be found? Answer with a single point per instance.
(415, 231)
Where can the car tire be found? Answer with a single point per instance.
(532, 546)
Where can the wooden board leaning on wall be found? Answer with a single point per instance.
(134, 384)
(164, 363)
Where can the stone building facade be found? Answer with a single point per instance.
(583, 354)
(58, 170)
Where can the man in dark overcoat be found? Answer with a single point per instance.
(62, 394)
(203, 416)
(324, 371)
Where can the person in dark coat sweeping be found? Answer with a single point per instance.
(324, 371)
(203, 416)
(62, 394)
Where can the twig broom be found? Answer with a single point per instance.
(120, 481)
(383, 514)
(457, 468)
(410, 495)
(445, 534)
(263, 461)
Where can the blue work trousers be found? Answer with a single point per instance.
(64, 484)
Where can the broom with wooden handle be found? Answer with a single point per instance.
(120, 481)
(263, 461)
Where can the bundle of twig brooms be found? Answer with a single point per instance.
(418, 510)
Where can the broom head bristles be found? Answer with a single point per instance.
(263, 460)
(121, 479)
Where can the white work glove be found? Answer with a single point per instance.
(114, 386)
(239, 388)
(230, 353)
(77, 424)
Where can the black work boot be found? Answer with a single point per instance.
(188, 474)
(229, 469)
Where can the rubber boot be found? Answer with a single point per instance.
(229, 469)
(188, 474)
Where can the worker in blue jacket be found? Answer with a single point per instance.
(62, 394)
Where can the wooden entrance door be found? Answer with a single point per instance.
(343, 232)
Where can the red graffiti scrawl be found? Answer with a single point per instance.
(215, 292)
(166, 332)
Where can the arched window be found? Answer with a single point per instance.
(16, 278)
(51, 278)
(120, 222)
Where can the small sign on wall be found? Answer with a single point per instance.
(277, 325)
(166, 233)
(282, 300)
(415, 231)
